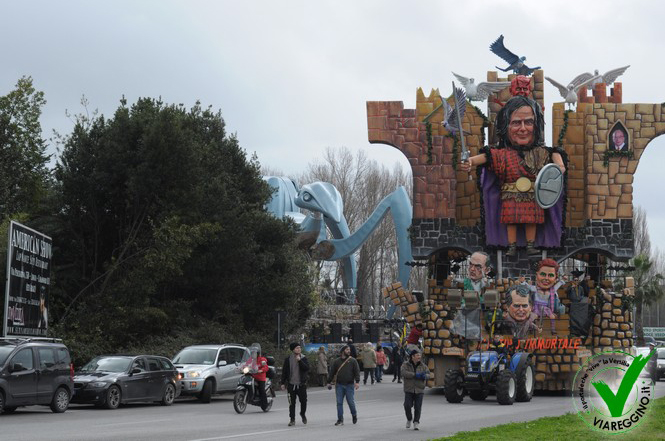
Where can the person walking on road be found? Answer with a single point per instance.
(354, 352)
(415, 374)
(380, 362)
(295, 372)
(322, 366)
(345, 375)
(398, 359)
(368, 357)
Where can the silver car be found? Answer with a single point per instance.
(209, 369)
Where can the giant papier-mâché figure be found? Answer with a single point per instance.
(507, 180)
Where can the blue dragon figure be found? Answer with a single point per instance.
(325, 208)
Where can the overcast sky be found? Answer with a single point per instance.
(292, 77)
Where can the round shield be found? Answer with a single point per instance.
(549, 185)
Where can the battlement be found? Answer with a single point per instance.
(447, 210)
(600, 96)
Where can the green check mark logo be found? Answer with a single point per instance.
(616, 402)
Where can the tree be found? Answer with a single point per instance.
(162, 224)
(23, 172)
(641, 239)
(648, 289)
(362, 184)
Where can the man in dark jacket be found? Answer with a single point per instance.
(398, 352)
(415, 374)
(345, 374)
(352, 347)
(295, 373)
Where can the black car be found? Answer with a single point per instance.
(34, 371)
(111, 380)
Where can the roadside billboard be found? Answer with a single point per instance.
(657, 333)
(28, 281)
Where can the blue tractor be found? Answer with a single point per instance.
(511, 376)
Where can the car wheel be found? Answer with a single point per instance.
(169, 395)
(2, 401)
(206, 393)
(525, 383)
(60, 401)
(239, 403)
(506, 387)
(453, 386)
(113, 397)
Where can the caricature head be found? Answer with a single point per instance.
(520, 85)
(618, 137)
(519, 303)
(520, 123)
(546, 273)
(478, 265)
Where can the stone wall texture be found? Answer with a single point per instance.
(446, 202)
(555, 368)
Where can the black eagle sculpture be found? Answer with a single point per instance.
(516, 64)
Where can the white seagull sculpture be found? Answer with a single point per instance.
(569, 93)
(480, 91)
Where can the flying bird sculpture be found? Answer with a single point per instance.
(569, 93)
(450, 120)
(608, 77)
(516, 64)
(480, 91)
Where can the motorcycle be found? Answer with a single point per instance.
(246, 392)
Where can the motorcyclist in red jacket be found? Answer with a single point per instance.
(259, 367)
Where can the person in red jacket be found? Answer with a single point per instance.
(414, 338)
(259, 367)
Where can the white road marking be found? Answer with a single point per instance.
(133, 422)
(248, 434)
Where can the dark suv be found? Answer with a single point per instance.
(34, 371)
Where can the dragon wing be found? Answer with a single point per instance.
(563, 90)
(611, 75)
(484, 89)
(499, 49)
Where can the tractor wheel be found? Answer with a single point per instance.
(389, 367)
(506, 387)
(478, 395)
(525, 383)
(453, 386)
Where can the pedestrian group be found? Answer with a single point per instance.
(344, 376)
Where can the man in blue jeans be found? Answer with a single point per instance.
(345, 375)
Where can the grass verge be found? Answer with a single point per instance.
(568, 427)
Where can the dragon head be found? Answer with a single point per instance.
(321, 197)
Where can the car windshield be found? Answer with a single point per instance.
(107, 364)
(661, 353)
(196, 356)
(4, 353)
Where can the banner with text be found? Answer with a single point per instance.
(28, 281)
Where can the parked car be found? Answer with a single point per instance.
(111, 380)
(660, 368)
(210, 369)
(35, 371)
(644, 351)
